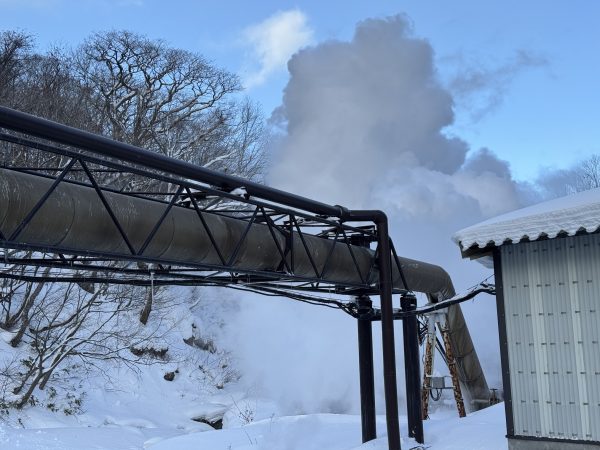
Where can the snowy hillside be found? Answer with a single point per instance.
(176, 399)
(483, 430)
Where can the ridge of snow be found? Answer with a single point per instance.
(482, 430)
(569, 215)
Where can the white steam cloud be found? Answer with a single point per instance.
(273, 41)
(363, 126)
(361, 116)
(480, 88)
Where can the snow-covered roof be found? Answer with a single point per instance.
(566, 215)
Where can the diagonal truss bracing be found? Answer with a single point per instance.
(291, 232)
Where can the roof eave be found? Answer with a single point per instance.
(476, 252)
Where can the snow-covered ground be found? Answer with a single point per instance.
(123, 409)
(483, 430)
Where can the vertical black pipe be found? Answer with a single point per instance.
(387, 334)
(412, 369)
(365, 361)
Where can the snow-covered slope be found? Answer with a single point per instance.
(483, 430)
(119, 408)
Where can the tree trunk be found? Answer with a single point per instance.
(29, 392)
(147, 307)
(20, 387)
(45, 379)
(25, 319)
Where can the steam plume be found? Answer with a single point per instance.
(363, 125)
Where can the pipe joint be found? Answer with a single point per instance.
(363, 215)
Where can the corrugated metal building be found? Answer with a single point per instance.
(547, 265)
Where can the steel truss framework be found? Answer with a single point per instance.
(66, 156)
(62, 164)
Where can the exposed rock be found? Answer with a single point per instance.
(217, 424)
(203, 344)
(169, 376)
(158, 353)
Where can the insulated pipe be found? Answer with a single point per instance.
(419, 276)
(170, 239)
(474, 384)
(73, 217)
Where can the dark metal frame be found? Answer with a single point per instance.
(504, 360)
(89, 157)
(278, 219)
(267, 204)
(412, 372)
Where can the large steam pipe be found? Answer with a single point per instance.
(74, 218)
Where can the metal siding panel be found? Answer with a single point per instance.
(536, 421)
(577, 265)
(520, 337)
(556, 275)
(539, 337)
(578, 262)
(591, 345)
(551, 291)
(567, 341)
(547, 290)
(588, 270)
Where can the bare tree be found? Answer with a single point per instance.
(67, 322)
(144, 89)
(587, 174)
(170, 101)
(42, 84)
(136, 90)
(15, 46)
(18, 297)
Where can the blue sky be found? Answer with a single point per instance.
(525, 74)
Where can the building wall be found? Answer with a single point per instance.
(552, 312)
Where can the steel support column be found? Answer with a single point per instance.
(365, 361)
(412, 370)
(387, 334)
(384, 261)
